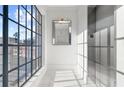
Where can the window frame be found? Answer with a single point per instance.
(37, 59)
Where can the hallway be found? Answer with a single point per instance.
(88, 53)
(61, 46)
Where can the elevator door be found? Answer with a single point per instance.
(101, 43)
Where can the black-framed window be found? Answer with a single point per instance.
(24, 44)
(1, 45)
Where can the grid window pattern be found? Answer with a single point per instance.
(1, 44)
(24, 43)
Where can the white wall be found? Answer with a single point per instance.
(120, 34)
(42, 10)
(82, 30)
(61, 56)
(120, 44)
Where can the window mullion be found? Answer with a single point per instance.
(5, 46)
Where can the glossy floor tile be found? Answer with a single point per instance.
(63, 78)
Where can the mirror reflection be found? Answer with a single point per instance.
(61, 34)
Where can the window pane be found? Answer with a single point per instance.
(29, 8)
(1, 41)
(39, 29)
(28, 37)
(1, 60)
(1, 81)
(12, 57)
(13, 12)
(28, 21)
(12, 78)
(34, 38)
(39, 18)
(28, 70)
(21, 55)
(1, 29)
(40, 61)
(34, 25)
(34, 66)
(33, 52)
(39, 40)
(28, 54)
(22, 36)
(34, 12)
(1, 9)
(24, 43)
(22, 16)
(39, 49)
(24, 6)
(13, 33)
(36, 63)
(21, 75)
(37, 52)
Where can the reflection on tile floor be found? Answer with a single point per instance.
(63, 78)
(104, 77)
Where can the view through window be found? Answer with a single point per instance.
(24, 43)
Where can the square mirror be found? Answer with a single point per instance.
(61, 34)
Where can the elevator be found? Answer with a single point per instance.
(101, 45)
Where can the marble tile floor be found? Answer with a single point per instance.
(63, 78)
